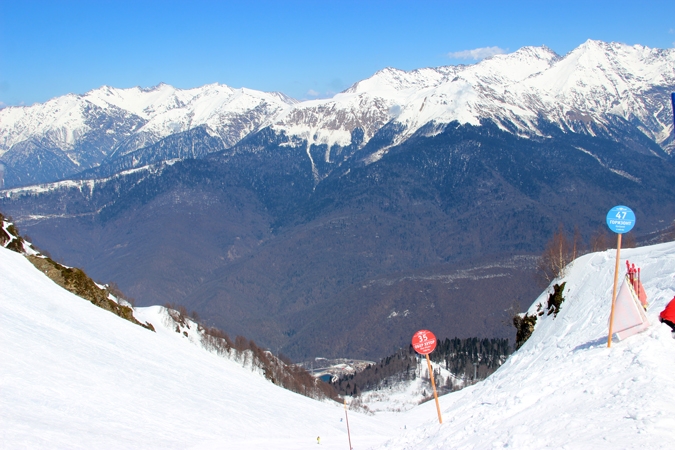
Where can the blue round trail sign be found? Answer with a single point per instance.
(621, 219)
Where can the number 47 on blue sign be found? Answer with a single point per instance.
(620, 219)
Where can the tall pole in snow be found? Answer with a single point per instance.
(424, 342)
(433, 386)
(349, 436)
(620, 219)
(616, 280)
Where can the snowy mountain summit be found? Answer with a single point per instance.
(598, 88)
(590, 89)
(76, 376)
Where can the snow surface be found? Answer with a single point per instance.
(76, 376)
(406, 395)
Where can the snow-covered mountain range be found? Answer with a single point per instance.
(136, 117)
(77, 132)
(588, 89)
(598, 88)
(76, 376)
(402, 175)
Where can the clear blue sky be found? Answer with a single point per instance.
(305, 49)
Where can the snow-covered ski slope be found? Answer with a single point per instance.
(75, 376)
(564, 388)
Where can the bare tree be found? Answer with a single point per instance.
(578, 247)
(628, 240)
(559, 252)
(600, 240)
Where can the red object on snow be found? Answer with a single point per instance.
(634, 277)
(669, 312)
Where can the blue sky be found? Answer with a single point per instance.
(305, 49)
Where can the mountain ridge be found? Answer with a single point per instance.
(597, 88)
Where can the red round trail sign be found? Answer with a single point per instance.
(424, 342)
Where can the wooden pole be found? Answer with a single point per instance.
(349, 436)
(616, 281)
(433, 385)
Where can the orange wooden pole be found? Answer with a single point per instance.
(349, 436)
(433, 385)
(616, 281)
